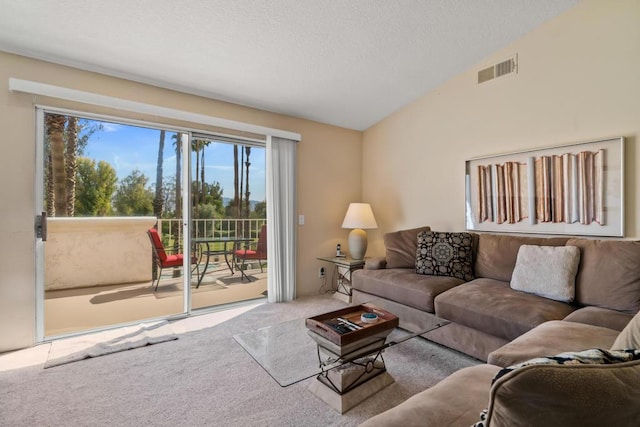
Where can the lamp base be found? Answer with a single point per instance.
(357, 243)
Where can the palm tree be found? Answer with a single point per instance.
(236, 188)
(247, 193)
(71, 167)
(176, 144)
(202, 196)
(243, 228)
(196, 146)
(158, 199)
(51, 194)
(178, 210)
(76, 135)
(55, 124)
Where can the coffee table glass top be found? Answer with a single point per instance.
(289, 354)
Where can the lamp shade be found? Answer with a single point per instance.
(359, 215)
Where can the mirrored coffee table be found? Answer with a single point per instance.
(289, 354)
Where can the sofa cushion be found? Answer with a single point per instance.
(404, 286)
(473, 342)
(493, 307)
(552, 337)
(455, 401)
(572, 394)
(598, 316)
(445, 254)
(375, 263)
(630, 335)
(400, 247)
(497, 254)
(609, 274)
(547, 271)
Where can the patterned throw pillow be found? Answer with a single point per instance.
(594, 356)
(445, 254)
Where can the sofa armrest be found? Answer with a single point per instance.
(562, 395)
(455, 401)
(602, 317)
(375, 263)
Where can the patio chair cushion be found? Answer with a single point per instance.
(176, 261)
(248, 253)
(173, 260)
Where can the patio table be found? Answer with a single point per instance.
(229, 245)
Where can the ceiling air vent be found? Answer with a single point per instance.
(501, 69)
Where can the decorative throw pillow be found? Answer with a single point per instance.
(400, 247)
(547, 271)
(445, 254)
(594, 356)
(630, 335)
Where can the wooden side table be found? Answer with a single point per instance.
(343, 268)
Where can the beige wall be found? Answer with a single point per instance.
(578, 81)
(83, 252)
(329, 177)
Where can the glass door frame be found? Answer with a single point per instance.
(185, 148)
(39, 208)
(39, 193)
(185, 140)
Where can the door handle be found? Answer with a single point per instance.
(41, 226)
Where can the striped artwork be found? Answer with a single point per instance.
(565, 188)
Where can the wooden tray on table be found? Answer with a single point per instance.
(370, 334)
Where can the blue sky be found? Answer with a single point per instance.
(128, 147)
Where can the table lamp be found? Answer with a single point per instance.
(359, 217)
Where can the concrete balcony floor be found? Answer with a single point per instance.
(76, 310)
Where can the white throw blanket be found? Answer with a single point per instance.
(107, 342)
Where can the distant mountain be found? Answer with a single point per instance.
(252, 203)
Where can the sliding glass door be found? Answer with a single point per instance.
(228, 219)
(121, 206)
(104, 185)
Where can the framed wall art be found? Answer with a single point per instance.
(574, 189)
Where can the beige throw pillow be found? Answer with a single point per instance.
(547, 271)
(629, 338)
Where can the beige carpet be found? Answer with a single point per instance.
(206, 378)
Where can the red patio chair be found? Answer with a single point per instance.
(164, 260)
(259, 253)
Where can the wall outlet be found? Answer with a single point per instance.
(321, 272)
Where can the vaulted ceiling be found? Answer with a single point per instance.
(348, 63)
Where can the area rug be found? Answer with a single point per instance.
(112, 341)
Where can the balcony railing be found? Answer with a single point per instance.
(248, 228)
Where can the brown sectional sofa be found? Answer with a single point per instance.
(585, 395)
(495, 323)
(486, 313)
